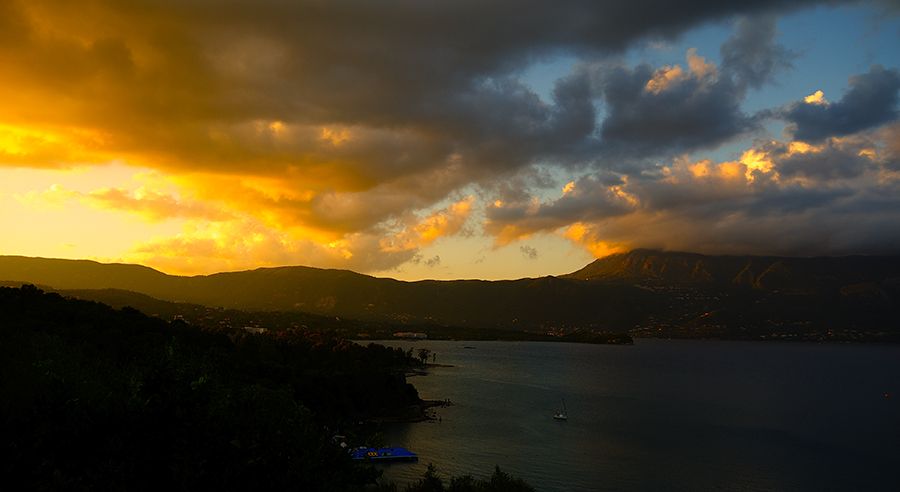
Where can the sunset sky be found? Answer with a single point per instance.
(445, 139)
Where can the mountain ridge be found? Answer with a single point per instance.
(616, 293)
(760, 272)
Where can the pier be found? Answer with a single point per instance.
(384, 454)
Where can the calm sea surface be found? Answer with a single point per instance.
(661, 415)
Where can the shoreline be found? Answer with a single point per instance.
(421, 370)
(417, 413)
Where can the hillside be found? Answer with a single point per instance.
(852, 298)
(532, 302)
(644, 292)
(96, 398)
(801, 275)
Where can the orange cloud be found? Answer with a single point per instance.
(589, 238)
(508, 233)
(817, 98)
(756, 161)
(667, 77)
(446, 222)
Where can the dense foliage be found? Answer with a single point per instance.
(431, 481)
(93, 397)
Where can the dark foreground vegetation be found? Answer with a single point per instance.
(500, 481)
(97, 398)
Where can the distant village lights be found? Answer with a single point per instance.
(410, 335)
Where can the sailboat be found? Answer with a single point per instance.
(563, 414)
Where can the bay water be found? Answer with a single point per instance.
(660, 415)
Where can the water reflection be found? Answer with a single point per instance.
(661, 415)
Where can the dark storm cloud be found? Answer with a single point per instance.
(800, 220)
(716, 201)
(752, 55)
(794, 200)
(503, 124)
(696, 107)
(726, 216)
(425, 48)
(890, 135)
(442, 75)
(832, 161)
(688, 115)
(445, 68)
(587, 199)
(870, 102)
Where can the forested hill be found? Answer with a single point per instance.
(851, 298)
(523, 303)
(97, 398)
(805, 275)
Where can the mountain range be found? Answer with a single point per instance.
(642, 290)
(769, 273)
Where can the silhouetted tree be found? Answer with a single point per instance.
(424, 352)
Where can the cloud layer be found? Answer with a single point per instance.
(871, 101)
(357, 135)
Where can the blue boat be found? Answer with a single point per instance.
(384, 454)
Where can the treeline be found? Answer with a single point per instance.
(97, 398)
(333, 377)
(431, 481)
(347, 328)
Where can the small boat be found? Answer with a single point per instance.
(562, 414)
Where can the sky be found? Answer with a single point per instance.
(430, 139)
